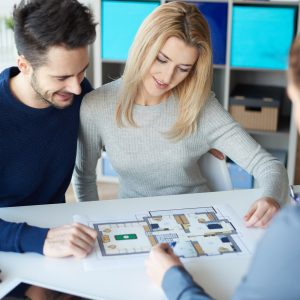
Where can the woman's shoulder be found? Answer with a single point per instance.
(212, 106)
(105, 94)
(211, 101)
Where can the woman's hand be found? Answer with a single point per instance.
(261, 212)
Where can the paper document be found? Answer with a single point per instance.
(194, 233)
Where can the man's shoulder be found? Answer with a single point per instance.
(285, 227)
(7, 73)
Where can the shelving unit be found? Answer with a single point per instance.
(226, 76)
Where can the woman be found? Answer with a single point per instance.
(160, 118)
(272, 276)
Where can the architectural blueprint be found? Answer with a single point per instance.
(193, 232)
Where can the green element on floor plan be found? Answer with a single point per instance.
(121, 237)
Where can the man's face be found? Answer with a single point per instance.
(58, 80)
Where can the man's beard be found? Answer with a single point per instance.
(39, 93)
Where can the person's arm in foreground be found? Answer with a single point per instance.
(166, 270)
(273, 273)
(69, 240)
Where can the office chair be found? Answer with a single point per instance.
(216, 173)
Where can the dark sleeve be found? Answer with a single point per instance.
(21, 237)
(179, 285)
(274, 271)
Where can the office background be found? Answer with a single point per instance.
(250, 48)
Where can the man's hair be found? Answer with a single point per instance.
(294, 62)
(41, 24)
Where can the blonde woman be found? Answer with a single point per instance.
(274, 271)
(161, 117)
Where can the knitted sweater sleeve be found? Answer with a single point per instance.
(226, 135)
(88, 152)
(21, 237)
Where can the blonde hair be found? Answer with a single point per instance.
(174, 19)
(294, 63)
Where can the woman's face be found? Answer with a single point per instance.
(294, 94)
(172, 65)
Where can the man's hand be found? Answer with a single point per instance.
(216, 153)
(70, 240)
(261, 212)
(160, 260)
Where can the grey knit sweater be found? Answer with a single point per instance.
(149, 164)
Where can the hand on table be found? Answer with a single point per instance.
(261, 212)
(160, 260)
(70, 240)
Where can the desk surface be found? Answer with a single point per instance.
(218, 276)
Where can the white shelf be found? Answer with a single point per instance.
(225, 77)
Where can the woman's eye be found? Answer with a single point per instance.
(184, 70)
(161, 60)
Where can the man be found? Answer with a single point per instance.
(273, 274)
(39, 119)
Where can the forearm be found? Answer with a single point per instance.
(85, 187)
(21, 237)
(89, 148)
(179, 285)
(272, 178)
(226, 135)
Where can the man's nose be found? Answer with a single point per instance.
(74, 86)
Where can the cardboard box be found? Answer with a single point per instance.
(256, 107)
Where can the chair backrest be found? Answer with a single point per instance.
(215, 172)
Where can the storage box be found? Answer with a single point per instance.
(262, 36)
(256, 107)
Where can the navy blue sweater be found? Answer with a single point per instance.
(37, 156)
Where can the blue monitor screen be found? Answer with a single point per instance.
(262, 36)
(216, 17)
(120, 22)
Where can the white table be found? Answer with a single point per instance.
(218, 276)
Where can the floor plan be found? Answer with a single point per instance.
(192, 232)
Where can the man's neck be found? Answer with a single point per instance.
(22, 91)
